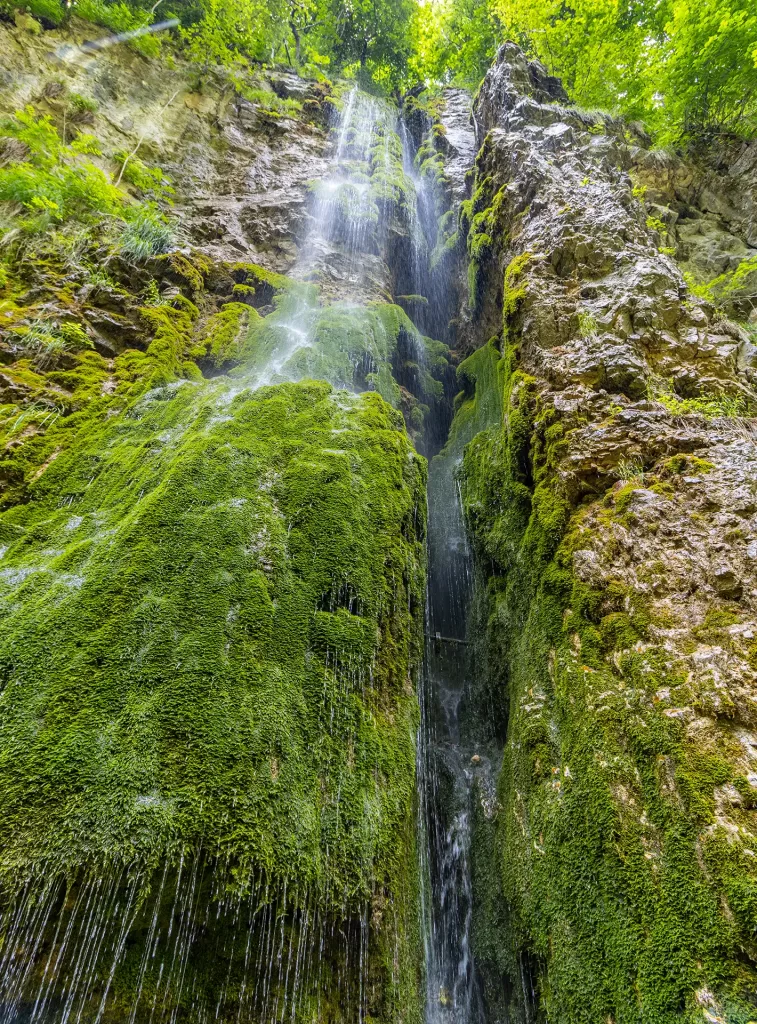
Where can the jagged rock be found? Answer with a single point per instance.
(461, 140)
(616, 534)
(113, 332)
(727, 583)
(289, 86)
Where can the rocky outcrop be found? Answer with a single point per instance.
(705, 203)
(614, 515)
(241, 164)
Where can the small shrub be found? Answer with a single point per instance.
(49, 12)
(151, 296)
(630, 471)
(660, 389)
(265, 98)
(149, 180)
(44, 339)
(587, 324)
(81, 109)
(147, 233)
(38, 134)
(655, 224)
(51, 178)
(120, 18)
(701, 291)
(86, 144)
(75, 337)
(80, 192)
(41, 342)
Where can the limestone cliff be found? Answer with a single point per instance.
(613, 510)
(230, 313)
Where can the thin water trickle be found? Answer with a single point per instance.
(445, 778)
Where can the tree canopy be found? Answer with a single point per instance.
(687, 69)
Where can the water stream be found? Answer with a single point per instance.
(445, 775)
(61, 943)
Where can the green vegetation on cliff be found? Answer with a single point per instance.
(617, 867)
(601, 860)
(212, 573)
(686, 70)
(211, 605)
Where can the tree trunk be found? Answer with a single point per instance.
(297, 43)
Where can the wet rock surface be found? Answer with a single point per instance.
(460, 136)
(241, 170)
(707, 202)
(613, 517)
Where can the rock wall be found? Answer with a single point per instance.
(613, 510)
(240, 154)
(211, 591)
(704, 204)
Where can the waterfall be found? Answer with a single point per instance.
(445, 776)
(191, 936)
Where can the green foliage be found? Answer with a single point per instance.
(604, 801)
(454, 41)
(685, 69)
(719, 403)
(655, 224)
(49, 12)
(79, 104)
(150, 181)
(51, 185)
(43, 340)
(120, 17)
(267, 99)
(711, 67)
(229, 34)
(587, 324)
(54, 181)
(729, 288)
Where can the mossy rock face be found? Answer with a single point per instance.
(618, 874)
(211, 610)
(614, 606)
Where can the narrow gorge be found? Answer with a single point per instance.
(378, 550)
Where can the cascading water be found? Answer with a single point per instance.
(339, 250)
(71, 941)
(443, 764)
(444, 771)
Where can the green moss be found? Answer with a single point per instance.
(267, 284)
(375, 347)
(220, 341)
(172, 334)
(212, 601)
(514, 293)
(690, 464)
(710, 405)
(603, 798)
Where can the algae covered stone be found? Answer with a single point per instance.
(211, 620)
